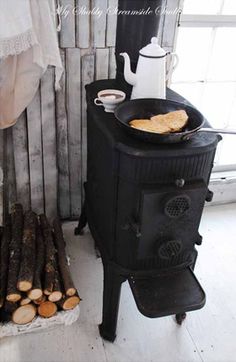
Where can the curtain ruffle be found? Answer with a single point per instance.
(18, 44)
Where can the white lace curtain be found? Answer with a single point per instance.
(28, 44)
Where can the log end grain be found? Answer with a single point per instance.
(55, 296)
(39, 301)
(25, 301)
(47, 292)
(47, 309)
(24, 314)
(24, 285)
(70, 292)
(35, 294)
(71, 302)
(13, 297)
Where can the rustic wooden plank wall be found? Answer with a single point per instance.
(44, 155)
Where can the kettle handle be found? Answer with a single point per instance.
(174, 61)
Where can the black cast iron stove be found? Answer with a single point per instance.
(143, 205)
(144, 202)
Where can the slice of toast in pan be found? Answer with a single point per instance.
(150, 126)
(175, 120)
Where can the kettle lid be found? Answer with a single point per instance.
(153, 50)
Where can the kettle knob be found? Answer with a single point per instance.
(154, 40)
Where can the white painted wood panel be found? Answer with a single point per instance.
(67, 35)
(20, 152)
(35, 154)
(49, 143)
(102, 63)
(111, 23)
(83, 23)
(99, 18)
(73, 90)
(10, 185)
(112, 63)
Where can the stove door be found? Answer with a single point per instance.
(169, 222)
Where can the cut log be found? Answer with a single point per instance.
(26, 273)
(39, 301)
(36, 291)
(25, 300)
(24, 314)
(47, 309)
(4, 259)
(67, 303)
(56, 295)
(13, 295)
(35, 294)
(67, 281)
(50, 251)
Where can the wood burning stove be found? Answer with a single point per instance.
(144, 204)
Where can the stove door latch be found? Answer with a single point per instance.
(132, 225)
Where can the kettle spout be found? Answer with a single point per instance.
(130, 77)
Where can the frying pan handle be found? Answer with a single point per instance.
(187, 136)
(219, 130)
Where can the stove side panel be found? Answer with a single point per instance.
(101, 187)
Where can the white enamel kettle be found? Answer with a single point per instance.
(150, 78)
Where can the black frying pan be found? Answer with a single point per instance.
(146, 108)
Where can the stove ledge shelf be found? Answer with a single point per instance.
(167, 294)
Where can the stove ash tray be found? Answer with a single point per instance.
(167, 294)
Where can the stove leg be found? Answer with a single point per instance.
(194, 261)
(82, 221)
(111, 300)
(180, 317)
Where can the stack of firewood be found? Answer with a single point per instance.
(34, 273)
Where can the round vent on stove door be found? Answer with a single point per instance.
(177, 206)
(170, 249)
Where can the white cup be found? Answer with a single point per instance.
(109, 99)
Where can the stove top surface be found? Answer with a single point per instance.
(108, 123)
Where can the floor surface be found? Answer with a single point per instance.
(207, 335)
